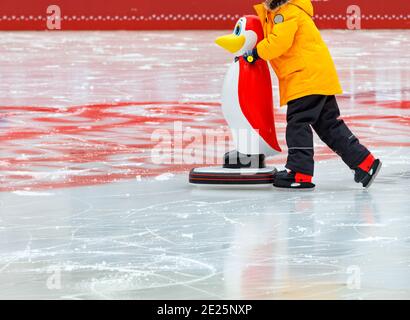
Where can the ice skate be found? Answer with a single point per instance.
(367, 172)
(292, 180)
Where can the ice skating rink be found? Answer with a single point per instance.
(86, 212)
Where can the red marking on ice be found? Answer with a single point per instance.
(389, 104)
(104, 143)
(390, 118)
(19, 177)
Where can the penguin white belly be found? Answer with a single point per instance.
(246, 138)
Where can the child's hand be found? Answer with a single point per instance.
(251, 56)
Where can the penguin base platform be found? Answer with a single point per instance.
(223, 176)
(238, 169)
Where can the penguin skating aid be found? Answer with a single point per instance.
(247, 106)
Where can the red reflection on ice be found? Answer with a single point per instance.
(44, 147)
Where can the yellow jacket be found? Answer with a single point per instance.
(297, 52)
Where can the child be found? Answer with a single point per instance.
(308, 84)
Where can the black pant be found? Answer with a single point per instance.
(322, 114)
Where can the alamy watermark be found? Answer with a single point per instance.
(186, 145)
(354, 280)
(53, 17)
(54, 280)
(354, 17)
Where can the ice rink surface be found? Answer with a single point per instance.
(87, 212)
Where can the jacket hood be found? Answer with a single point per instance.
(305, 5)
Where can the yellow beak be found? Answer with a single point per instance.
(231, 42)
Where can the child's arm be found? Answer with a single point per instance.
(279, 41)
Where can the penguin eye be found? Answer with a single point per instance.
(238, 29)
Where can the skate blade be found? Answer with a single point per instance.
(282, 189)
(374, 176)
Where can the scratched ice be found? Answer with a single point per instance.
(86, 213)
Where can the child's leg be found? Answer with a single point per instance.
(335, 133)
(301, 114)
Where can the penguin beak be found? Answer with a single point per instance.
(232, 43)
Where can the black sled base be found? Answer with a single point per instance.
(226, 176)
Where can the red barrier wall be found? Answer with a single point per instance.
(186, 14)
